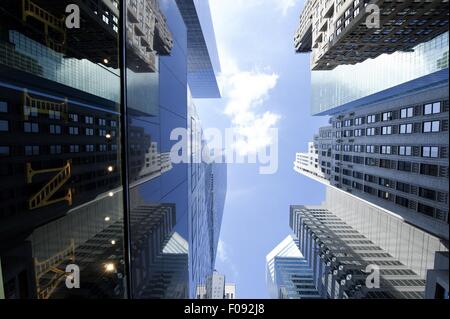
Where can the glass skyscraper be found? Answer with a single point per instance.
(288, 274)
(85, 150)
(332, 89)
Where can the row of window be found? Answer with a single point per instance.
(59, 149)
(408, 112)
(33, 127)
(423, 151)
(400, 200)
(409, 128)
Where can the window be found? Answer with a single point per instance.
(429, 127)
(403, 187)
(371, 161)
(385, 182)
(384, 163)
(432, 108)
(31, 150)
(359, 121)
(405, 150)
(404, 166)
(4, 126)
(3, 107)
(429, 151)
(101, 132)
(386, 149)
(402, 201)
(370, 149)
(348, 133)
(89, 131)
(428, 169)
(54, 115)
(369, 178)
(348, 123)
(355, 12)
(89, 148)
(89, 120)
(384, 195)
(347, 148)
(30, 127)
(73, 130)
(102, 122)
(425, 209)
(359, 148)
(55, 149)
(55, 129)
(427, 193)
(4, 150)
(113, 124)
(338, 124)
(370, 131)
(102, 147)
(406, 128)
(387, 116)
(407, 112)
(358, 133)
(371, 119)
(73, 117)
(74, 148)
(386, 130)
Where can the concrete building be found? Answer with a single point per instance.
(391, 149)
(437, 278)
(288, 274)
(344, 235)
(341, 32)
(308, 163)
(216, 288)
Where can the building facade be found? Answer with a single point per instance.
(85, 148)
(344, 261)
(392, 150)
(308, 163)
(215, 287)
(288, 274)
(338, 32)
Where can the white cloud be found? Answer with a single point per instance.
(285, 5)
(246, 93)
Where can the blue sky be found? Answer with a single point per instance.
(264, 85)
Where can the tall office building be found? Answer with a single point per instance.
(392, 149)
(308, 163)
(346, 238)
(288, 274)
(215, 287)
(88, 178)
(377, 63)
(348, 32)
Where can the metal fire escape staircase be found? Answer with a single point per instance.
(49, 273)
(50, 22)
(43, 106)
(42, 198)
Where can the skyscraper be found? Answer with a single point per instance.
(392, 149)
(86, 116)
(288, 274)
(215, 287)
(348, 32)
(346, 238)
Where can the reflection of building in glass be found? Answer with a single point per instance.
(288, 274)
(62, 160)
(348, 32)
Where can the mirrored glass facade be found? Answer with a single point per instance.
(331, 89)
(92, 205)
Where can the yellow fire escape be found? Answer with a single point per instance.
(43, 106)
(51, 269)
(29, 9)
(42, 198)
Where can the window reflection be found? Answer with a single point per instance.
(61, 201)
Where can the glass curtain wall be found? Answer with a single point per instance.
(61, 207)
